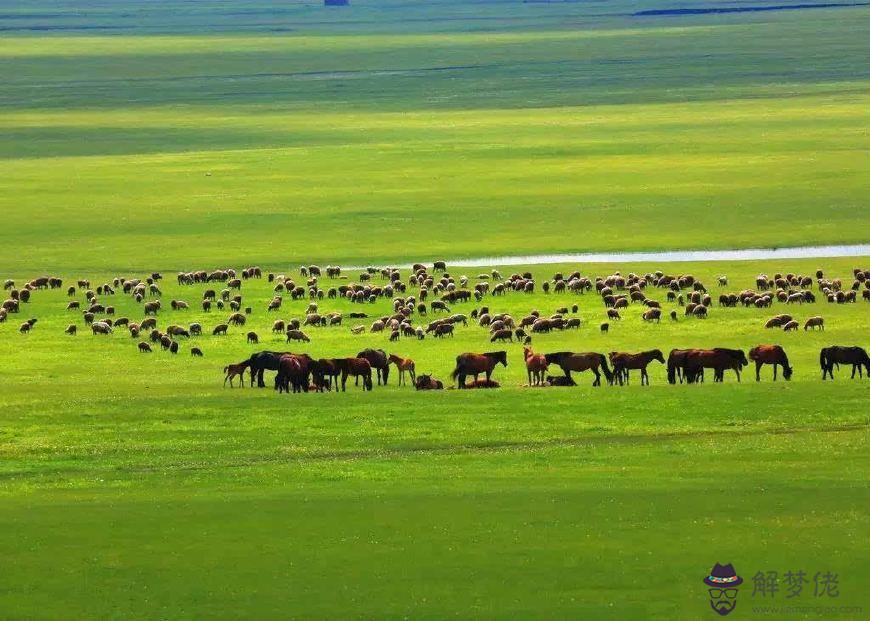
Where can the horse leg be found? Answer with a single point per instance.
(343, 382)
(758, 371)
(644, 378)
(529, 372)
(260, 381)
(774, 371)
(413, 374)
(597, 381)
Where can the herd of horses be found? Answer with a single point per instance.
(302, 373)
(424, 303)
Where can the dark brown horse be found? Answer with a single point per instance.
(570, 361)
(623, 362)
(676, 365)
(475, 364)
(836, 355)
(427, 382)
(293, 371)
(770, 354)
(358, 367)
(719, 359)
(379, 361)
(325, 374)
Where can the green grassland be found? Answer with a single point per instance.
(194, 135)
(137, 486)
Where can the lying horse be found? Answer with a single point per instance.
(426, 382)
(836, 355)
(475, 364)
(770, 354)
(570, 361)
(623, 362)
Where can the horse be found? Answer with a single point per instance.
(719, 359)
(536, 366)
(231, 370)
(426, 382)
(475, 364)
(623, 362)
(676, 364)
(483, 383)
(403, 365)
(358, 367)
(570, 361)
(263, 361)
(379, 361)
(325, 374)
(770, 354)
(292, 373)
(837, 355)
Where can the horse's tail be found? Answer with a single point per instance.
(226, 369)
(455, 371)
(672, 369)
(823, 358)
(605, 369)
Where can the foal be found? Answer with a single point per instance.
(232, 370)
(404, 364)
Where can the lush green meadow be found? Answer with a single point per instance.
(136, 485)
(194, 135)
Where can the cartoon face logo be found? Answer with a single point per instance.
(723, 582)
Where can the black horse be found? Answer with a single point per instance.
(264, 361)
(836, 355)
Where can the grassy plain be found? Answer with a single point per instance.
(135, 485)
(175, 135)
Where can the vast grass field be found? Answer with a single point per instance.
(194, 135)
(137, 486)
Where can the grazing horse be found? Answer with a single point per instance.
(676, 366)
(623, 362)
(589, 361)
(231, 370)
(403, 365)
(770, 354)
(358, 367)
(379, 361)
(293, 370)
(837, 355)
(536, 366)
(719, 359)
(325, 374)
(426, 382)
(263, 361)
(475, 364)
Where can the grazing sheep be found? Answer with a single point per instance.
(791, 326)
(443, 330)
(605, 327)
(195, 329)
(813, 323)
(101, 327)
(144, 348)
(505, 334)
(358, 330)
(252, 338)
(297, 335)
(70, 329)
(220, 330)
(73, 305)
(196, 351)
(674, 315)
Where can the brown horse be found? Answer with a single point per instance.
(623, 362)
(590, 361)
(232, 370)
(770, 354)
(358, 367)
(719, 359)
(293, 371)
(427, 382)
(404, 365)
(856, 356)
(536, 366)
(475, 364)
(677, 364)
(379, 362)
(325, 374)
